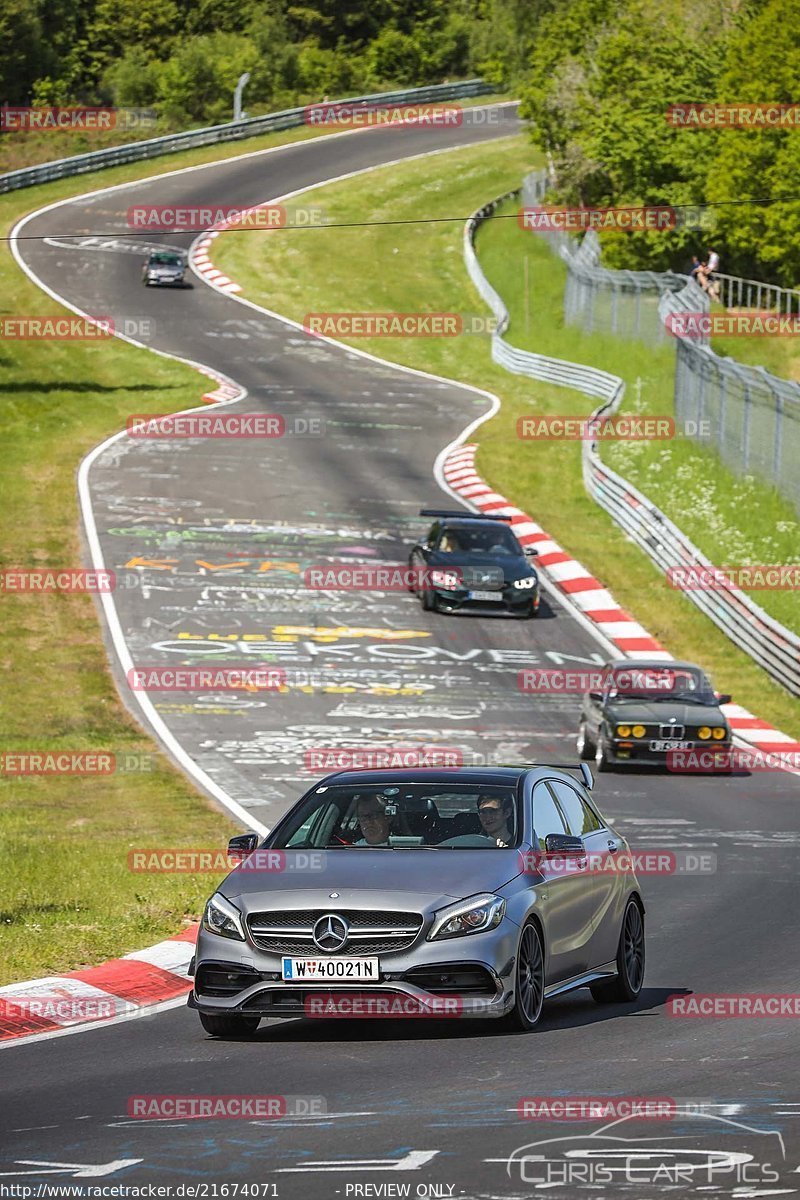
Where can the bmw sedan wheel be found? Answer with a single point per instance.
(627, 983)
(228, 1025)
(529, 981)
(428, 600)
(586, 747)
(601, 759)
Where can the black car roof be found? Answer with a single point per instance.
(653, 664)
(470, 520)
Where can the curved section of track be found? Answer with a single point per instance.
(220, 531)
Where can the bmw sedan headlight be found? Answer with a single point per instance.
(529, 581)
(475, 915)
(450, 580)
(223, 918)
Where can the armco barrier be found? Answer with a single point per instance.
(289, 118)
(768, 643)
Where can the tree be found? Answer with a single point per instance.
(24, 54)
(195, 85)
(761, 241)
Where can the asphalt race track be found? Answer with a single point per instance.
(217, 533)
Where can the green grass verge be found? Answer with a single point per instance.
(403, 268)
(778, 355)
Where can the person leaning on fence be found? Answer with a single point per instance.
(711, 266)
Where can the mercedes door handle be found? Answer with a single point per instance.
(614, 844)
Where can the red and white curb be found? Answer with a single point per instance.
(224, 392)
(120, 987)
(202, 264)
(593, 600)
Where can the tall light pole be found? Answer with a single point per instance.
(238, 115)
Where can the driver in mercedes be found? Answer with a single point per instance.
(373, 820)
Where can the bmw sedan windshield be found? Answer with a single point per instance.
(411, 816)
(479, 540)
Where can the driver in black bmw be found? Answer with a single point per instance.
(471, 563)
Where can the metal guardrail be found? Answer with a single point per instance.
(775, 648)
(757, 296)
(522, 362)
(289, 118)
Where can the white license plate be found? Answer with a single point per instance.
(485, 596)
(665, 746)
(336, 969)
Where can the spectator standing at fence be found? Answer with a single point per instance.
(712, 266)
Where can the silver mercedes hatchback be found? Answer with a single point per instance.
(463, 892)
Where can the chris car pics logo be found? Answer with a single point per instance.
(704, 1151)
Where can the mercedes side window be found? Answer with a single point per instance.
(581, 819)
(546, 816)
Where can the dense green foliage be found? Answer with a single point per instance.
(596, 77)
(184, 58)
(602, 74)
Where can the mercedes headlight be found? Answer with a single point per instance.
(223, 918)
(528, 582)
(475, 915)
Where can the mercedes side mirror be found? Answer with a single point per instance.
(242, 845)
(563, 843)
(531, 552)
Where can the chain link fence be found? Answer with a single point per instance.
(749, 416)
(598, 299)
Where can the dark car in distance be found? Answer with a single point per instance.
(664, 713)
(470, 563)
